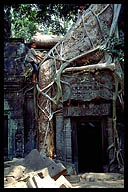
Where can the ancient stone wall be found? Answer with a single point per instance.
(15, 94)
(88, 86)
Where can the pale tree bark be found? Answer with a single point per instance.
(79, 46)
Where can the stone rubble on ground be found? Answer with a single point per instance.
(37, 170)
(101, 176)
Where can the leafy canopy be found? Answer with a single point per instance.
(26, 19)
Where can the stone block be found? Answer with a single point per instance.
(37, 161)
(20, 184)
(56, 170)
(62, 182)
(30, 183)
(10, 179)
(15, 161)
(73, 178)
(14, 171)
(101, 176)
(43, 173)
(46, 182)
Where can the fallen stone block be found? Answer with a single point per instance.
(30, 183)
(101, 176)
(56, 170)
(69, 166)
(10, 179)
(48, 161)
(62, 182)
(17, 185)
(70, 170)
(14, 162)
(35, 161)
(90, 179)
(14, 171)
(73, 178)
(24, 178)
(46, 182)
(42, 161)
(43, 173)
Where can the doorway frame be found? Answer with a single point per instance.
(74, 141)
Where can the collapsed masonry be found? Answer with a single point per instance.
(31, 172)
(43, 172)
(82, 126)
(79, 86)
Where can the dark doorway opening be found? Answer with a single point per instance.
(87, 149)
(5, 136)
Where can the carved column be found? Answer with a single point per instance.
(59, 136)
(67, 138)
(110, 137)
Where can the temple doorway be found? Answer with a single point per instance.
(87, 144)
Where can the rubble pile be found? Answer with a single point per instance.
(100, 180)
(36, 170)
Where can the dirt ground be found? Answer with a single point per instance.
(119, 183)
(97, 180)
(16, 175)
(78, 182)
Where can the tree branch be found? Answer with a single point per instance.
(91, 67)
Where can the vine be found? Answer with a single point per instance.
(113, 47)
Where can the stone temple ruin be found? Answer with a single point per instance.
(75, 112)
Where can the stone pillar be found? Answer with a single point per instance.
(67, 138)
(59, 136)
(110, 137)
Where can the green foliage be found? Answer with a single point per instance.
(116, 48)
(23, 21)
(46, 18)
